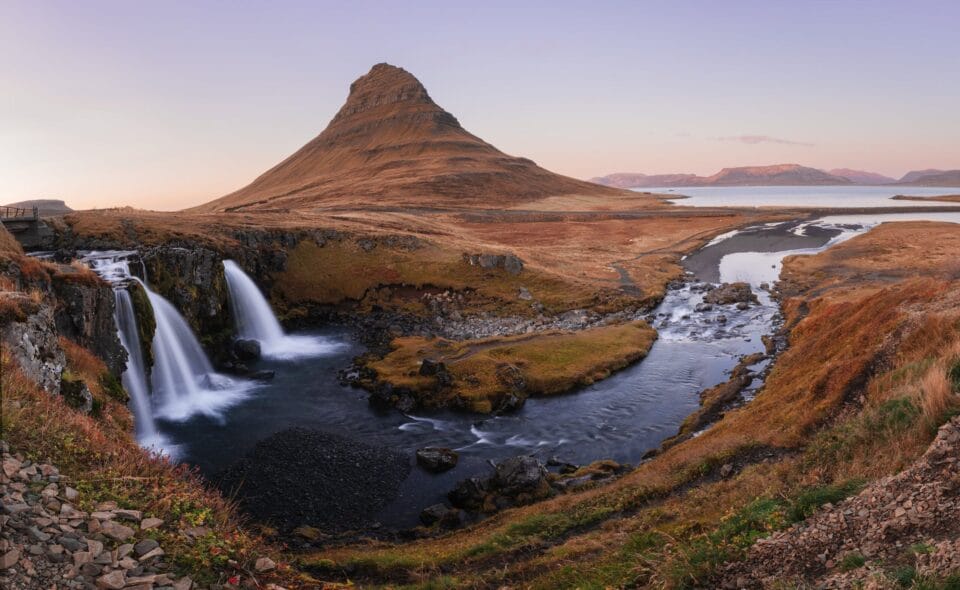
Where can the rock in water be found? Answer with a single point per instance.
(437, 459)
(308, 477)
(246, 350)
(519, 474)
(730, 293)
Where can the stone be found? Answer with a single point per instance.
(150, 523)
(430, 367)
(731, 293)
(519, 474)
(82, 557)
(264, 564)
(11, 466)
(70, 544)
(524, 294)
(469, 493)
(115, 580)
(437, 459)
(145, 546)
(70, 494)
(91, 569)
(247, 350)
(726, 470)
(116, 531)
(153, 554)
(9, 559)
(130, 515)
(94, 547)
(124, 550)
(184, 583)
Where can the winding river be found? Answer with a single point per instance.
(621, 418)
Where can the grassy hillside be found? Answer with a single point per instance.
(859, 393)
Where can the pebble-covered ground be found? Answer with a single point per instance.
(47, 542)
(911, 520)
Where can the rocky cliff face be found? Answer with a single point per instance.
(85, 315)
(192, 279)
(33, 342)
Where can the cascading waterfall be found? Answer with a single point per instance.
(255, 320)
(134, 377)
(183, 379)
(183, 382)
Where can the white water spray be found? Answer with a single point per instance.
(183, 382)
(255, 320)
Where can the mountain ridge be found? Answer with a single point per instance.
(771, 175)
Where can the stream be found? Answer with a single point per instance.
(621, 417)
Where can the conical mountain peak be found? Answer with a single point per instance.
(391, 144)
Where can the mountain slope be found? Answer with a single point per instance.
(932, 178)
(778, 174)
(861, 176)
(775, 175)
(637, 180)
(390, 144)
(915, 175)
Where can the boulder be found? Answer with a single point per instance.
(437, 459)
(469, 493)
(246, 350)
(442, 515)
(519, 475)
(731, 293)
(430, 367)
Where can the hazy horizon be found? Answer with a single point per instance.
(168, 105)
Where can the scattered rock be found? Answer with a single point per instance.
(264, 564)
(246, 350)
(115, 580)
(730, 293)
(437, 459)
(150, 523)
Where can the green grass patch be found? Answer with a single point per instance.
(852, 561)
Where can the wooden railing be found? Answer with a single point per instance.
(19, 213)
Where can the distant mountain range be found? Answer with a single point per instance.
(862, 176)
(780, 175)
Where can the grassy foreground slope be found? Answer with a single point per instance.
(96, 448)
(858, 395)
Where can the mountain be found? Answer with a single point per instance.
(932, 178)
(636, 180)
(916, 175)
(776, 175)
(48, 207)
(390, 144)
(861, 176)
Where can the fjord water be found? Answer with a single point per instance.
(803, 196)
(254, 320)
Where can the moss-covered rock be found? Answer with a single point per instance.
(146, 322)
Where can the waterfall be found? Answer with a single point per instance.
(183, 382)
(255, 320)
(134, 377)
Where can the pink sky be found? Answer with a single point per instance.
(168, 104)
